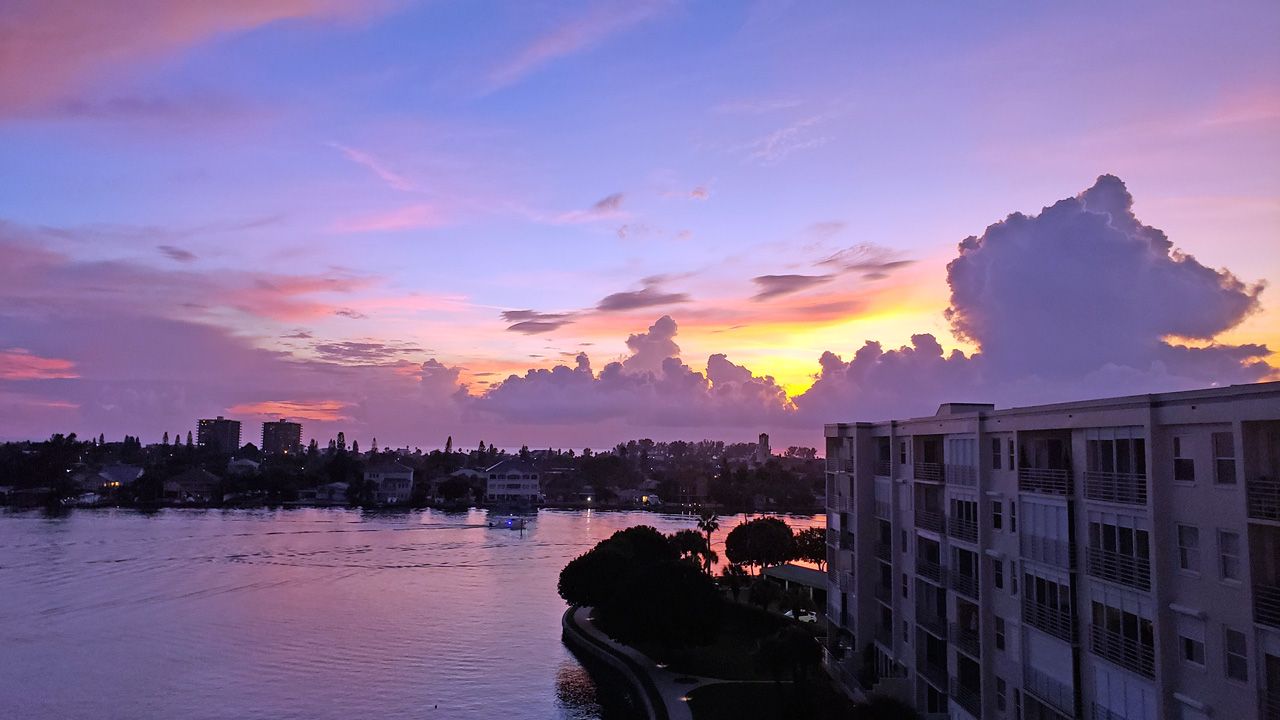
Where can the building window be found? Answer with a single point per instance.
(1189, 548)
(1002, 691)
(1192, 650)
(997, 515)
(995, 453)
(1013, 578)
(1013, 463)
(905, 585)
(1237, 654)
(1013, 517)
(902, 452)
(1228, 555)
(997, 573)
(903, 548)
(999, 633)
(1224, 459)
(1184, 468)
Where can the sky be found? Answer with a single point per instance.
(570, 224)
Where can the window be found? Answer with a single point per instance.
(1237, 654)
(1192, 650)
(906, 632)
(902, 452)
(1224, 459)
(999, 633)
(995, 453)
(997, 514)
(1013, 579)
(997, 573)
(1013, 517)
(905, 586)
(1189, 548)
(903, 547)
(1002, 691)
(1228, 555)
(1184, 468)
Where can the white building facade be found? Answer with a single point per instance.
(1115, 559)
(513, 481)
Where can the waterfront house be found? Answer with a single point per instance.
(392, 483)
(242, 466)
(115, 477)
(196, 485)
(514, 481)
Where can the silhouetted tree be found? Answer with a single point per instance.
(760, 543)
(811, 546)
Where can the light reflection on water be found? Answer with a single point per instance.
(309, 613)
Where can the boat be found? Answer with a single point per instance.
(508, 522)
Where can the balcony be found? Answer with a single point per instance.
(961, 475)
(884, 593)
(844, 582)
(962, 529)
(1266, 605)
(1045, 481)
(883, 510)
(969, 641)
(1047, 689)
(1118, 568)
(966, 585)
(846, 541)
(840, 503)
(1263, 498)
(930, 570)
(1269, 704)
(1114, 487)
(1102, 713)
(1050, 551)
(884, 551)
(926, 619)
(934, 671)
(884, 468)
(931, 520)
(833, 537)
(929, 472)
(969, 698)
(884, 636)
(1055, 621)
(1125, 652)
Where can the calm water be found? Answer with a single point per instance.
(295, 614)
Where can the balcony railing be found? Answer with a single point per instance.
(1102, 713)
(1264, 498)
(931, 520)
(933, 672)
(1269, 704)
(1050, 551)
(884, 551)
(883, 510)
(840, 503)
(833, 537)
(962, 529)
(1049, 690)
(930, 570)
(1046, 481)
(970, 641)
(930, 472)
(884, 468)
(1127, 488)
(934, 624)
(969, 698)
(1055, 621)
(966, 585)
(961, 475)
(1125, 652)
(1119, 568)
(1266, 605)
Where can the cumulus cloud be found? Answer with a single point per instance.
(771, 286)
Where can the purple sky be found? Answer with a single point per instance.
(665, 219)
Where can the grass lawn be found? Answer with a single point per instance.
(733, 655)
(815, 700)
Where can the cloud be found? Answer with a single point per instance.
(176, 253)
(363, 352)
(606, 208)
(650, 349)
(391, 178)
(827, 228)
(350, 313)
(776, 285)
(577, 35)
(873, 262)
(22, 364)
(319, 410)
(776, 146)
(532, 322)
(56, 48)
(409, 217)
(650, 296)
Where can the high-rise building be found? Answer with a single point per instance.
(281, 437)
(219, 434)
(1111, 559)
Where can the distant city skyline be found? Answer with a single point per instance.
(365, 217)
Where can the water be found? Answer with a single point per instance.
(307, 613)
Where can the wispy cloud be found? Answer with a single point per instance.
(606, 208)
(873, 262)
(532, 322)
(318, 410)
(393, 179)
(410, 217)
(22, 364)
(771, 286)
(772, 148)
(577, 35)
(650, 296)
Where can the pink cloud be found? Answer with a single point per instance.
(393, 179)
(320, 410)
(54, 48)
(411, 217)
(22, 364)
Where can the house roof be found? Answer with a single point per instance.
(799, 575)
(194, 476)
(512, 465)
(122, 474)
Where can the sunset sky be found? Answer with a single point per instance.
(367, 215)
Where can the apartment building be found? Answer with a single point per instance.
(218, 433)
(1113, 559)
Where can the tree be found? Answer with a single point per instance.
(593, 577)
(693, 547)
(671, 603)
(811, 546)
(734, 576)
(189, 443)
(760, 543)
(764, 592)
(448, 445)
(355, 447)
(165, 440)
(708, 523)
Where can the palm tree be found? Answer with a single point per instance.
(708, 522)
